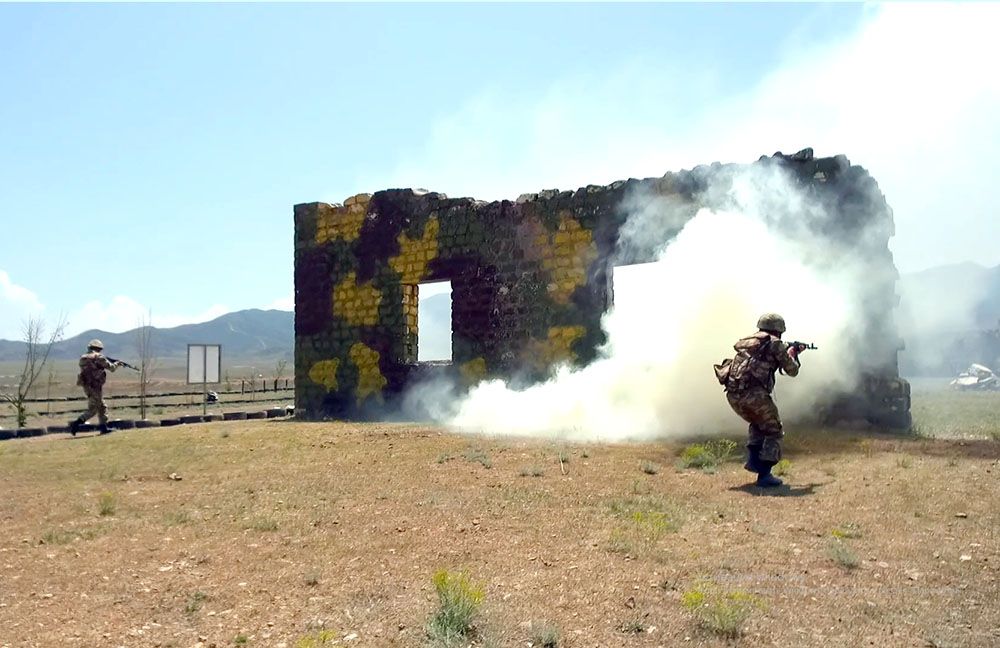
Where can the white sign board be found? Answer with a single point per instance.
(204, 364)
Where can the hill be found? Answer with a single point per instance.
(249, 333)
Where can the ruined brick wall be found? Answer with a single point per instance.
(530, 281)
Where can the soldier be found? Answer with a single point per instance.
(93, 372)
(749, 384)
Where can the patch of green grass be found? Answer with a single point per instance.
(709, 455)
(635, 624)
(721, 612)
(532, 471)
(317, 639)
(841, 554)
(645, 519)
(545, 635)
(948, 413)
(195, 602)
(782, 467)
(459, 600)
(65, 536)
(847, 530)
(263, 524)
(443, 457)
(904, 462)
(178, 517)
(649, 467)
(476, 455)
(240, 640)
(107, 504)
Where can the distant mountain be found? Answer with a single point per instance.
(256, 334)
(949, 317)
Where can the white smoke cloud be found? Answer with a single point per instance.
(676, 317)
(911, 95)
(17, 304)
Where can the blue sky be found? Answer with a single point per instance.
(150, 155)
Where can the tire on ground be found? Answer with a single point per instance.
(256, 415)
(234, 416)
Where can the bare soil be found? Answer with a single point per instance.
(264, 533)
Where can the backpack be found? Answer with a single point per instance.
(734, 373)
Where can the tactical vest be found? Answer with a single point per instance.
(92, 371)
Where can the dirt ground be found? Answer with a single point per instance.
(269, 533)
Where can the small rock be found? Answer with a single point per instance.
(351, 637)
(961, 515)
(174, 476)
(965, 557)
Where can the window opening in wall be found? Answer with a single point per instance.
(434, 322)
(632, 286)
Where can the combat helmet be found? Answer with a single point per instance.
(771, 322)
(95, 344)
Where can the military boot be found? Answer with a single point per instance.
(74, 426)
(764, 477)
(753, 459)
(103, 427)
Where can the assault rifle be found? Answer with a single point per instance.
(802, 346)
(122, 363)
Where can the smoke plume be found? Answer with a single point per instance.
(674, 318)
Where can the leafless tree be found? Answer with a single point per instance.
(147, 362)
(36, 354)
(280, 367)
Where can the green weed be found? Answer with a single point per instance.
(841, 554)
(263, 524)
(458, 601)
(107, 504)
(848, 530)
(317, 639)
(649, 467)
(546, 635)
(709, 455)
(782, 467)
(721, 612)
(475, 455)
(195, 602)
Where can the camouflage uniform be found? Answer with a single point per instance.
(749, 387)
(93, 373)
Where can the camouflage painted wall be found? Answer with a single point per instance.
(530, 281)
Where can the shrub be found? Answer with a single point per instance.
(720, 612)
(194, 602)
(843, 556)
(316, 639)
(545, 635)
(458, 601)
(476, 455)
(107, 504)
(649, 467)
(532, 471)
(782, 467)
(708, 455)
(847, 530)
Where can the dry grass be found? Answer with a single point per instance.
(305, 534)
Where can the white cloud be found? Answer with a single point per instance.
(911, 95)
(17, 303)
(123, 313)
(282, 303)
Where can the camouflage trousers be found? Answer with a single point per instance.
(757, 408)
(95, 406)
